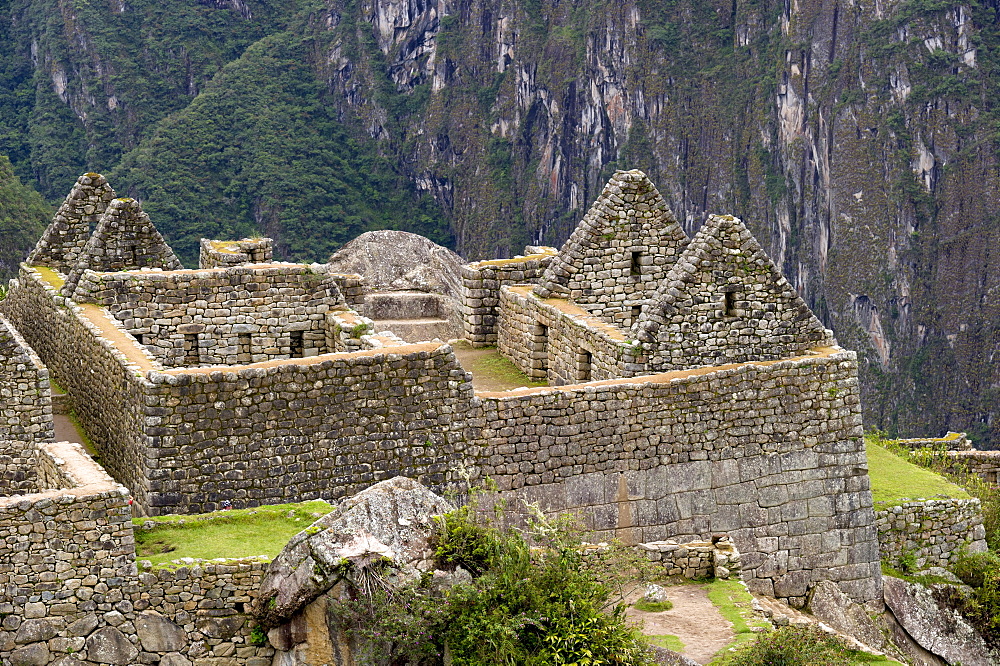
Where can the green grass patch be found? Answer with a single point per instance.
(736, 605)
(501, 369)
(88, 444)
(648, 606)
(896, 481)
(668, 641)
(260, 531)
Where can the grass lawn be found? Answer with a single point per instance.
(263, 530)
(895, 481)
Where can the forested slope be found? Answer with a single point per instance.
(858, 140)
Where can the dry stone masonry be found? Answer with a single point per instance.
(25, 400)
(930, 533)
(224, 254)
(691, 394)
(65, 238)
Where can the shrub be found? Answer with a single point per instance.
(551, 604)
(793, 646)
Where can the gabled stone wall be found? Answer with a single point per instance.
(226, 316)
(25, 397)
(725, 302)
(70, 229)
(619, 253)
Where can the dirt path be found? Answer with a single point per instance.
(693, 619)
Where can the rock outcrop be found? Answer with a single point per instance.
(392, 520)
(941, 631)
(400, 261)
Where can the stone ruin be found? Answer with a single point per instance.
(690, 393)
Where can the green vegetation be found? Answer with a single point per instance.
(895, 480)
(260, 531)
(799, 646)
(503, 370)
(736, 605)
(524, 606)
(653, 606)
(23, 218)
(981, 571)
(668, 641)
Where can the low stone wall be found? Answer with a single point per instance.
(695, 560)
(930, 533)
(774, 458)
(344, 330)
(557, 341)
(953, 441)
(295, 430)
(108, 387)
(223, 254)
(226, 316)
(481, 283)
(197, 611)
(351, 287)
(25, 398)
(985, 464)
(67, 563)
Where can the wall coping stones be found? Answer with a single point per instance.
(83, 476)
(953, 441)
(720, 371)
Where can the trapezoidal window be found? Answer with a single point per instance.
(192, 355)
(635, 269)
(296, 347)
(244, 351)
(729, 304)
(584, 364)
(636, 311)
(540, 352)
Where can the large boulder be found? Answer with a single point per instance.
(940, 631)
(392, 521)
(400, 261)
(830, 605)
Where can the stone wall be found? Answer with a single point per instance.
(695, 560)
(930, 533)
(224, 254)
(481, 283)
(985, 464)
(619, 253)
(227, 316)
(725, 302)
(198, 611)
(70, 229)
(67, 563)
(296, 430)
(953, 441)
(770, 453)
(107, 380)
(25, 398)
(18, 468)
(558, 341)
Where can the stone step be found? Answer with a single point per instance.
(403, 305)
(418, 330)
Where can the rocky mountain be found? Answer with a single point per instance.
(859, 141)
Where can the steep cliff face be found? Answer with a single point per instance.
(857, 140)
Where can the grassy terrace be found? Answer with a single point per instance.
(896, 481)
(261, 531)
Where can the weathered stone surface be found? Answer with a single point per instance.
(941, 631)
(110, 646)
(83, 626)
(398, 260)
(667, 657)
(221, 627)
(831, 606)
(32, 631)
(174, 659)
(392, 519)
(159, 634)
(30, 655)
